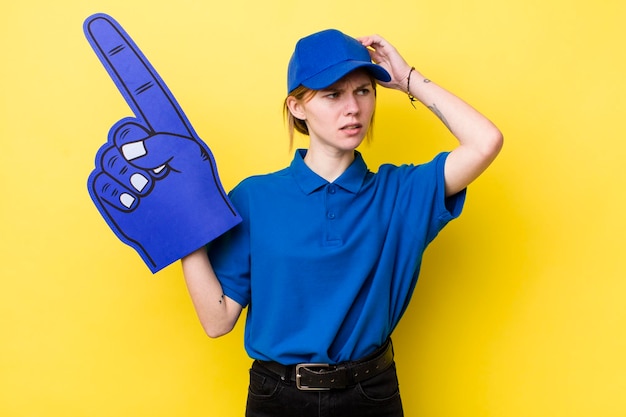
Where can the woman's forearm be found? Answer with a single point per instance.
(479, 139)
(217, 312)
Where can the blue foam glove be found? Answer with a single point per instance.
(155, 181)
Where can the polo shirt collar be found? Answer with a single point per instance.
(351, 180)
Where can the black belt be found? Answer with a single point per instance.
(322, 376)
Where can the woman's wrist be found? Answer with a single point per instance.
(413, 81)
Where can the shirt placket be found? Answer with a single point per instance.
(332, 212)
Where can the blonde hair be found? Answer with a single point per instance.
(305, 94)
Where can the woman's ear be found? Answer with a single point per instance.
(295, 107)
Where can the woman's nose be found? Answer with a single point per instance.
(351, 105)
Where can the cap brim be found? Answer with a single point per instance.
(333, 74)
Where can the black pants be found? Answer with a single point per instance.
(269, 396)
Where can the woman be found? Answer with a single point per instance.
(328, 253)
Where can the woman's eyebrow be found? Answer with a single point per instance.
(334, 88)
(341, 87)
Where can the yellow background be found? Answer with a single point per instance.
(519, 310)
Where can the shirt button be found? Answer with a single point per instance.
(331, 215)
(332, 189)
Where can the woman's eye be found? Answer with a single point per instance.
(332, 95)
(364, 91)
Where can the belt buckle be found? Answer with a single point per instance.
(299, 377)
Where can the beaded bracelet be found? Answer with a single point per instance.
(408, 86)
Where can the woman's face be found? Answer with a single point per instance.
(339, 116)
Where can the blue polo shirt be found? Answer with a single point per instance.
(327, 269)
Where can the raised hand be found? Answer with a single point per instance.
(155, 181)
(385, 54)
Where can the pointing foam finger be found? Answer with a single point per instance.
(139, 83)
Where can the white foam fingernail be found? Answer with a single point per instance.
(158, 170)
(138, 181)
(134, 150)
(127, 200)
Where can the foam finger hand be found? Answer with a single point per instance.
(117, 167)
(108, 190)
(130, 139)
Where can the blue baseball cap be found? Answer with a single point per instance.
(323, 58)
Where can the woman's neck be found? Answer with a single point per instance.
(328, 164)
